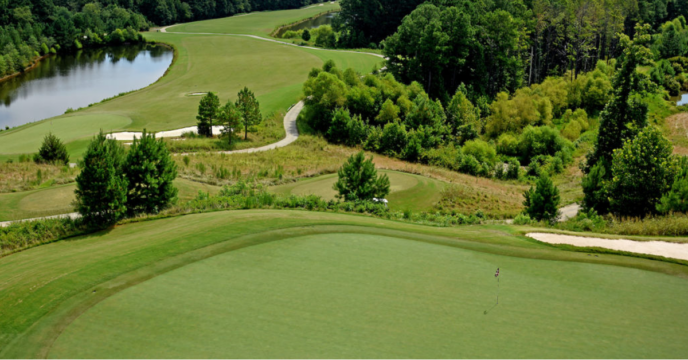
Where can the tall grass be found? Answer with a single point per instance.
(669, 225)
(26, 234)
(27, 175)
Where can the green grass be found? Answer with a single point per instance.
(257, 23)
(219, 63)
(407, 191)
(57, 200)
(308, 284)
(28, 138)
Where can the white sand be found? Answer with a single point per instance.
(660, 248)
(129, 135)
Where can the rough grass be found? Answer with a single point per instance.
(676, 130)
(312, 156)
(28, 175)
(57, 200)
(331, 285)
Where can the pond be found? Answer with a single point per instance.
(308, 24)
(682, 100)
(76, 80)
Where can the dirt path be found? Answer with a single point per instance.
(659, 248)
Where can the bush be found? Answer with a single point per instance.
(542, 202)
(101, 192)
(522, 219)
(52, 151)
(642, 170)
(481, 151)
(149, 171)
(358, 180)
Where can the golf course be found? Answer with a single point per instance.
(206, 59)
(307, 284)
(300, 267)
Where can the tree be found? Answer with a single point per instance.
(389, 113)
(52, 151)
(101, 188)
(676, 199)
(306, 36)
(642, 170)
(229, 117)
(358, 180)
(542, 202)
(625, 114)
(249, 108)
(594, 189)
(207, 111)
(150, 172)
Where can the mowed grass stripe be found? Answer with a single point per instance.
(362, 296)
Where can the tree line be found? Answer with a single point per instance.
(492, 46)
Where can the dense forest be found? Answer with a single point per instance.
(33, 28)
(498, 45)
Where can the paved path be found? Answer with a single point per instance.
(569, 211)
(659, 248)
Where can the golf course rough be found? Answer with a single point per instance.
(288, 284)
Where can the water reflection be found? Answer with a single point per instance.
(683, 100)
(76, 80)
(309, 24)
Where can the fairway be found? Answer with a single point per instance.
(220, 63)
(293, 284)
(407, 191)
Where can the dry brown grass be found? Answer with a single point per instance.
(676, 129)
(25, 176)
(312, 156)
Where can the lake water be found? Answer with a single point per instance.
(683, 100)
(310, 24)
(77, 80)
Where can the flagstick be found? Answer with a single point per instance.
(497, 289)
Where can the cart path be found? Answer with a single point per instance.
(658, 248)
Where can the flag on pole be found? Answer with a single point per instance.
(497, 273)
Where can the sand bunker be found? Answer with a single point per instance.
(660, 248)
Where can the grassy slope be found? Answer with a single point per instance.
(219, 63)
(258, 23)
(57, 200)
(408, 191)
(43, 289)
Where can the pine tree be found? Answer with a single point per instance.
(207, 111)
(542, 202)
(230, 119)
(101, 189)
(249, 108)
(52, 151)
(150, 172)
(358, 180)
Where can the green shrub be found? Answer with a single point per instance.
(522, 219)
(542, 202)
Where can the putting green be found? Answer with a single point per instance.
(57, 200)
(27, 139)
(275, 283)
(363, 296)
(407, 191)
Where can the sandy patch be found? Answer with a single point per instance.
(659, 248)
(129, 135)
